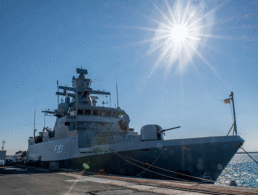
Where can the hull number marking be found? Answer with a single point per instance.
(58, 148)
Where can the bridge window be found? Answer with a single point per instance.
(72, 112)
(101, 112)
(108, 113)
(80, 111)
(115, 114)
(95, 112)
(87, 111)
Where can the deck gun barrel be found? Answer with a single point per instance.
(163, 130)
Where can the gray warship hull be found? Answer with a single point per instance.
(98, 137)
(200, 158)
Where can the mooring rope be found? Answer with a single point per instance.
(249, 155)
(145, 168)
(138, 175)
(120, 155)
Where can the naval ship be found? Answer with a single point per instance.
(91, 137)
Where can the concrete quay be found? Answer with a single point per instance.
(33, 180)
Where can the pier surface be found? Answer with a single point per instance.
(32, 180)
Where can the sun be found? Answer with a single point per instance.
(179, 34)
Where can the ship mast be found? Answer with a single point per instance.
(234, 114)
(82, 91)
(234, 126)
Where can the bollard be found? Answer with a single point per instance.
(54, 166)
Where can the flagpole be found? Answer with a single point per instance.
(234, 114)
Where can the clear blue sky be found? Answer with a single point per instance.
(45, 41)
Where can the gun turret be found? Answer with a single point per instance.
(163, 130)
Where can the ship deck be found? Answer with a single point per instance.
(21, 179)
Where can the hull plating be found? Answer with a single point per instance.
(197, 157)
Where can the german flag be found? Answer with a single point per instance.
(227, 101)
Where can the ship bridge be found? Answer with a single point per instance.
(83, 118)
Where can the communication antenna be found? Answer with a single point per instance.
(58, 92)
(35, 114)
(117, 94)
(76, 105)
(45, 119)
(110, 100)
(34, 119)
(3, 145)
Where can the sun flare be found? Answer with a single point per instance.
(179, 33)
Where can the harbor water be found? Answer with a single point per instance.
(242, 169)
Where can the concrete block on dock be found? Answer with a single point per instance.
(54, 166)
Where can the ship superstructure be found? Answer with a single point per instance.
(98, 137)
